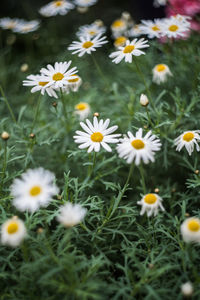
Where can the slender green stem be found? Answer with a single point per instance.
(100, 71)
(36, 112)
(63, 103)
(148, 116)
(4, 165)
(8, 105)
(142, 178)
(93, 163)
(143, 79)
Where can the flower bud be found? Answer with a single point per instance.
(187, 289)
(96, 114)
(82, 10)
(144, 101)
(24, 68)
(5, 136)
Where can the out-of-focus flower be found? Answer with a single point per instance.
(150, 204)
(160, 73)
(82, 109)
(91, 30)
(85, 3)
(71, 214)
(60, 7)
(188, 139)
(13, 231)
(190, 230)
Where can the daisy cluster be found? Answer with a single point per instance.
(19, 25)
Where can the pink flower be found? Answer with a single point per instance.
(183, 7)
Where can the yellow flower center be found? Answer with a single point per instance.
(12, 227)
(35, 190)
(58, 3)
(173, 28)
(117, 24)
(194, 225)
(73, 80)
(58, 76)
(87, 44)
(97, 137)
(160, 68)
(129, 49)
(43, 83)
(137, 144)
(188, 136)
(150, 198)
(120, 41)
(92, 32)
(81, 106)
(155, 28)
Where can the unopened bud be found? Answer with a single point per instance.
(196, 172)
(82, 10)
(99, 23)
(40, 230)
(187, 214)
(126, 16)
(96, 114)
(24, 68)
(151, 266)
(187, 289)
(5, 136)
(32, 135)
(156, 190)
(54, 104)
(144, 101)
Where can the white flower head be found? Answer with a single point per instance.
(151, 28)
(132, 48)
(82, 110)
(60, 7)
(187, 289)
(91, 30)
(85, 3)
(161, 73)
(87, 44)
(71, 214)
(151, 203)
(174, 27)
(8, 23)
(27, 26)
(35, 189)
(120, 41)
(188, 139)
(96, 135)
(59, 75)
(135, 31)
(13, 231)
(118, 27)
(137, 148)
(74, 83)
(190, 230)
(158, 3)
(144, 101)
(39, 83)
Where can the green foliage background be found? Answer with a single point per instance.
(116, 253)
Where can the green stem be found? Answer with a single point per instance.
(36, 112)
(142, 178)
(143, 79)
(148, 116)
(8, 105)
(4, 165)
(99, 71)
(93, 164)
(63, 103)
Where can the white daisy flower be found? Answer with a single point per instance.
(91, 30)
(120, 41)
(59, 75)
(160, 73)
(190, 230)
(132, 48)
(74, 83)
(158, 3)
(8, 23)
(85, 3)
(27, 26)
(96, 135)
(135, 31)
(34, 190)
(187, 289)
(13, 232)
(151, 28)
(71, 214)
(182, 19)
(118, 27)
(188, 139)
(39, 84)
(137, 148)
(82, 110)
(151, 203)
(60, 7)
(87, 44)
(173, 28)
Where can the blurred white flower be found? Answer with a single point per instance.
(174, 27)
(71, 214)
(188, 139)
(35, 189)
(27, 26)
(13, 232)
(60, 7)
(151, 28)
(187, 289)
(82, 109)
(85, 3)
(150, 204)
(160, 73)
(91, 30)
(190, 230)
